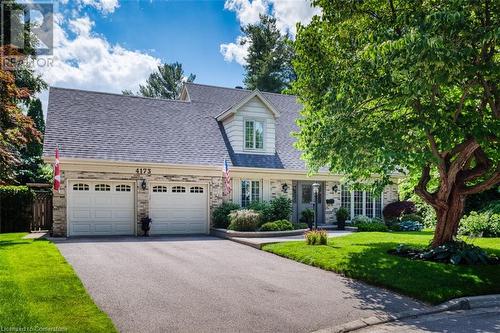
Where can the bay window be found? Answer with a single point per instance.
(360, 203)
(254, 134)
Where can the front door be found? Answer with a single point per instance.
(306, 199)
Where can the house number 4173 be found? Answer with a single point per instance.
(143, 171)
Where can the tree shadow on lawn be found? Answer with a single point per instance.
(424, 280)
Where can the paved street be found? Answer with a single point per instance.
(206, 284)
(477, 320)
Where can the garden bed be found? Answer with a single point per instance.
(225, 233)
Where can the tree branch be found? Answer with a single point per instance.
(483, 164)
(483, 186)
(421, 188)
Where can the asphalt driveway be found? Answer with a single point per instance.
(205, 284)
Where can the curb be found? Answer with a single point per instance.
(463, 303)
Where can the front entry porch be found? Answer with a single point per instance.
(303, 199)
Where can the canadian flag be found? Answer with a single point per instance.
(57, 172)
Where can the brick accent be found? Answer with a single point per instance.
(141, 196)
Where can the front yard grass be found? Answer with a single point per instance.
(39, 290)
(364, 256)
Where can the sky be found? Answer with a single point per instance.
(112, 45)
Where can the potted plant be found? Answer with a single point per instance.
(342, 215)
(307, 217)
(146, 225)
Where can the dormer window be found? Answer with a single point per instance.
(254, 134)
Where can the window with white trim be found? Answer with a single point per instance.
(254, 134)
(123, 188)
(345, 199)
(81, 187)
(178, 189)
(369, 204)
(361, 203)
(358, 203)
(378, 206)
(196, 189)
(250, 192)
(102, 188)
(159, 189)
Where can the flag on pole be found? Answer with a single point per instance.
(57, 172)
(227, 178)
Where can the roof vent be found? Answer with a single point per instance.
(238, 87)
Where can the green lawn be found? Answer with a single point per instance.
(364, 256)
(38, 288)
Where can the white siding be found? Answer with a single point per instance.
(252, 110)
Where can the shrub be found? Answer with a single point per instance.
(244, 220)
(280, 225)
(480, 225)
(368, 224)
(316, 237)
(410, 226)
(492, 208)
(307, 217)
(412, 217)
(360, 219)
(264, 209)
(398, 208)
(298, 226)
(269, 226)
(458, 252)
(220, 215)
(280, 208)
(284, 225)
(15, 208)
(342, 215)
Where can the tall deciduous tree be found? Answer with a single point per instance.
(32, 168)
(270, 53)
(165, 83)
(404, 85)
(16, 128)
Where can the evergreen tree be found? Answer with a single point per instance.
(269, 57)
(165, 83)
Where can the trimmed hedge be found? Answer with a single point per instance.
(15, 208)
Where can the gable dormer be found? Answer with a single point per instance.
(250, 125)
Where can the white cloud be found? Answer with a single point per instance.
(247, 11)
(235, 51)
(105, 6)
(81, 25)
(88, 61)
(287, 13)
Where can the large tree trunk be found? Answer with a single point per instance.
(448, 218)
(455, 172)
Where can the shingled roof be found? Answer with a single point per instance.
(95, 125)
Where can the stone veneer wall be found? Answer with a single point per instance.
(331, 209)
(142, 196)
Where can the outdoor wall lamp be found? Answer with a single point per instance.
(143, 184)
(335, 188)
(284, 188)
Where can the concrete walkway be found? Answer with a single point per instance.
(259, 242)
(485, 320)
(206, 284)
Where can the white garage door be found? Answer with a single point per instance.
(100, 208)
(179, 209)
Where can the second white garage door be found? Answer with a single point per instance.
(179, 208)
